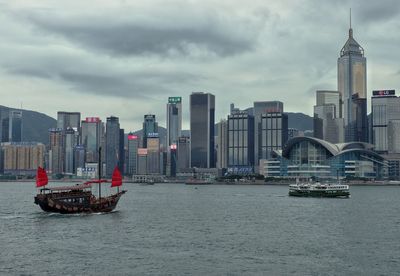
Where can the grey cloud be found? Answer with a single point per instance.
(210, 35)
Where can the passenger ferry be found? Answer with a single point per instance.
(319, 190)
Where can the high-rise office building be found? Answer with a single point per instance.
(79, 157)
(15, 126)
(91, 136)
(153, 155)
(112, 144)
(70, 141)
(56, 151)
(222, 144)
(69, 120)
(183, 154)
(352, 85)
(327, 122)
(385, 112)
(4, 125)
(133, 145)
(240, 143)
(141, 167)
(150, 127)
(121, 154)
(270, 129)
(202, 120)
(174, 119)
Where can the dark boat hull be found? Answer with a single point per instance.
(319, 194)
(54, 205)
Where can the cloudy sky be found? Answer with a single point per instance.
(125, 58)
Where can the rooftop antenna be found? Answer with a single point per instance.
(350, 18)
(350, 30)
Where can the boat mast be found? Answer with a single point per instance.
(99, 172)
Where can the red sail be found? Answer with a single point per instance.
(116, 178)
(41, 177)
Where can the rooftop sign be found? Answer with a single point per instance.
(383, 93)
(174, 100)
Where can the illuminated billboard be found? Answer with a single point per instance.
(383, 93)
(132, 137)
(174, 100)
(142, 151)
(173, 147)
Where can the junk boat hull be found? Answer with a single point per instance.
(72, 202)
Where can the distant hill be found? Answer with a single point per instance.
(300, 121)
(35, 125)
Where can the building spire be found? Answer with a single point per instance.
(350, 29)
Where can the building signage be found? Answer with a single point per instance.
(55, 129)
(174, 100)
(132, 137)
(382, 93)
(152, 135)
(142, 151)
(149, 116)
(92, 119)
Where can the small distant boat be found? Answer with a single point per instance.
(77, 198)
(319, 190)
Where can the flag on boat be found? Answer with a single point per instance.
(41, 177)
(116, 178)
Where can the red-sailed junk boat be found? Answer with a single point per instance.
(77, 198)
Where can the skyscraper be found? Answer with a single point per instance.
(69, 119)
(56, 151)
(15, 126)
(71, 140)
(202, 119)
(112, 144)
(153, 155)
(133, 145)
(327, 122)
(240, 143)
(270, 129)
(174, 119)
(183, 154)
(92, 133)
(385, 113)
(150, 126)
(352, 85)
(222, 144)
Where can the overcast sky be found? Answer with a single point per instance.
(125, 58)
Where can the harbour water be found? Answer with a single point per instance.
(175, 229)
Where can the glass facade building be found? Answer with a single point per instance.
(150, 127)
(240, 142)
(174, 119)
(133, 145)
(112, 144)
(92, 133)
(273, 133)
(202, 120)
(352, 85)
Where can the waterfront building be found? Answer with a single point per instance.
(183, 154)
(352, 85)
(222, 144)
(22, 158)
(133, 146)
(112, 144)
(305, 157)
(141, 168)
(202, 120)
(121, 154)
(92, 135)
(174, 119)
(71, 140)
(270, 129)
(56, 151)
(79, 157)
(385, 116)
(240, 143)
(150, 127)
(153, 154)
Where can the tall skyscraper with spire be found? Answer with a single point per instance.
(352, 85)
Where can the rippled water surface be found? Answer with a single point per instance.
(206, 230)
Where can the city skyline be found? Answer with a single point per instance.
(271, 51)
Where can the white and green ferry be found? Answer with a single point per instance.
(319, 190)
